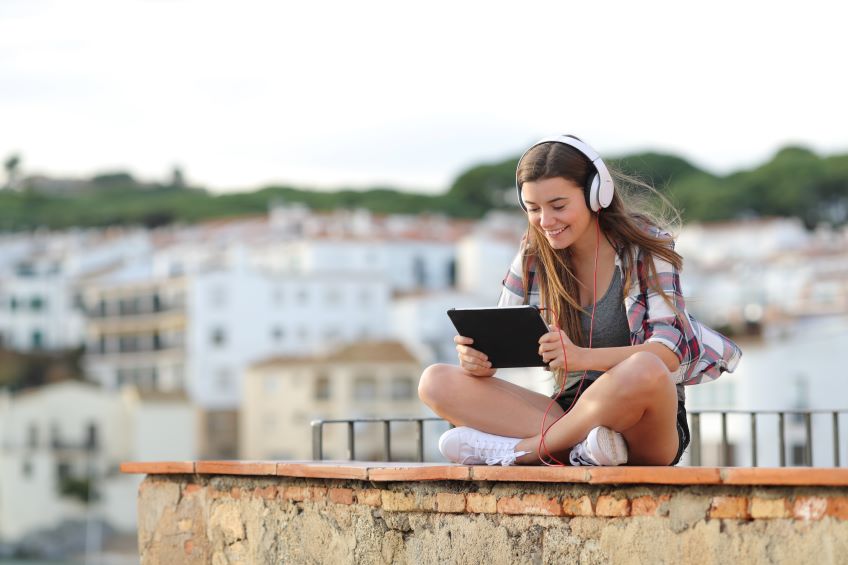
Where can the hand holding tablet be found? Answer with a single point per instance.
(509, 336)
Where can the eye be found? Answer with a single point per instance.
(559, 207)
(532, 210)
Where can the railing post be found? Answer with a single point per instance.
(419, 438)
(781, 432)
(696, 439)
(808, 431)
(753, 439)
(387, 439)
(725, 459)
(317, 440)
(836, 439)
(350, 453)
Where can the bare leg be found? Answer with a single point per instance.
(487, 404)
(636, 398)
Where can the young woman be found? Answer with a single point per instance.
(621, 343)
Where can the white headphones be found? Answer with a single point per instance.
(599, 188)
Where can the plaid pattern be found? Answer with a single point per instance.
(703, 353)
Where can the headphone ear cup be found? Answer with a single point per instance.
(592, 189)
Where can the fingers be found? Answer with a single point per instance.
(473, 361)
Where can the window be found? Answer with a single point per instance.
(63, 471)
(419, 270)
(277, 333)
(91, 436)
(365, 389)
(37, 303)
(218, 337)
(402, 388)
(322, 388)
(37, 339)
(302, 297)
(32, 436)
(13, 304)
(26, 468)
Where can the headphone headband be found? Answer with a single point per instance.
(600, 187)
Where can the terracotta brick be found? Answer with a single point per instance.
(450, 502)
(530, 504)
(732, 507)
(481, 503)
(298, 494)
(809, 508)
(397, 501)
(769, 508)
(267, 492)
(191, 488)
(647, 505)
(612, 507)
(316, 493)
(341, 495)
(369, 496)
(188, 547)
(837, 507)
(581, 506)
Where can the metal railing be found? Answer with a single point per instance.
(695, 450)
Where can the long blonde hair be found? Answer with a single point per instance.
(623, 223)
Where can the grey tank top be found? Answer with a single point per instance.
(610, 328)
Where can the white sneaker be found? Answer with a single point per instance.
(602, 446)
(468, 446)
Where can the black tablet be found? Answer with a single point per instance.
(508, 335)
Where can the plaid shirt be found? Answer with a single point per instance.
(703, 352)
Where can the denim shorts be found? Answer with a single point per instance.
(683, 436)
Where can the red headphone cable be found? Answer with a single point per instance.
(543, 429)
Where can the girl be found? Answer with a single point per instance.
(621, 343)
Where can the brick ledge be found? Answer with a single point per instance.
(384, 471)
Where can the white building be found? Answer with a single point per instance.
(67, 436)
(39, 276)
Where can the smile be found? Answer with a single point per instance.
(554, 233)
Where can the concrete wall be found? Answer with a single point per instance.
(228, 519)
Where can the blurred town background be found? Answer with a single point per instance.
(158, 321)
(221, 221)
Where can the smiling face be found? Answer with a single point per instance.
(557, 207)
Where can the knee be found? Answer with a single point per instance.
(434, 383)
(646, 374)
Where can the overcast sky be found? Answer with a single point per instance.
(245, 93)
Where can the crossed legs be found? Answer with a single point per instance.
(635, 398)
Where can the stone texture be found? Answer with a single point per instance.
(423, 525)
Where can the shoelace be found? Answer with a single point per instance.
(502, 455)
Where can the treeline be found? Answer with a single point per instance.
(795, 182)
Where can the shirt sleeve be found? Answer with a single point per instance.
(512, 290)
(667, 323)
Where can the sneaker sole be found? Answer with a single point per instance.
(610, 448)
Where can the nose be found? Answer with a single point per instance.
(546, 218)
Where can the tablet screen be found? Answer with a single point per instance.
(509, 336)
